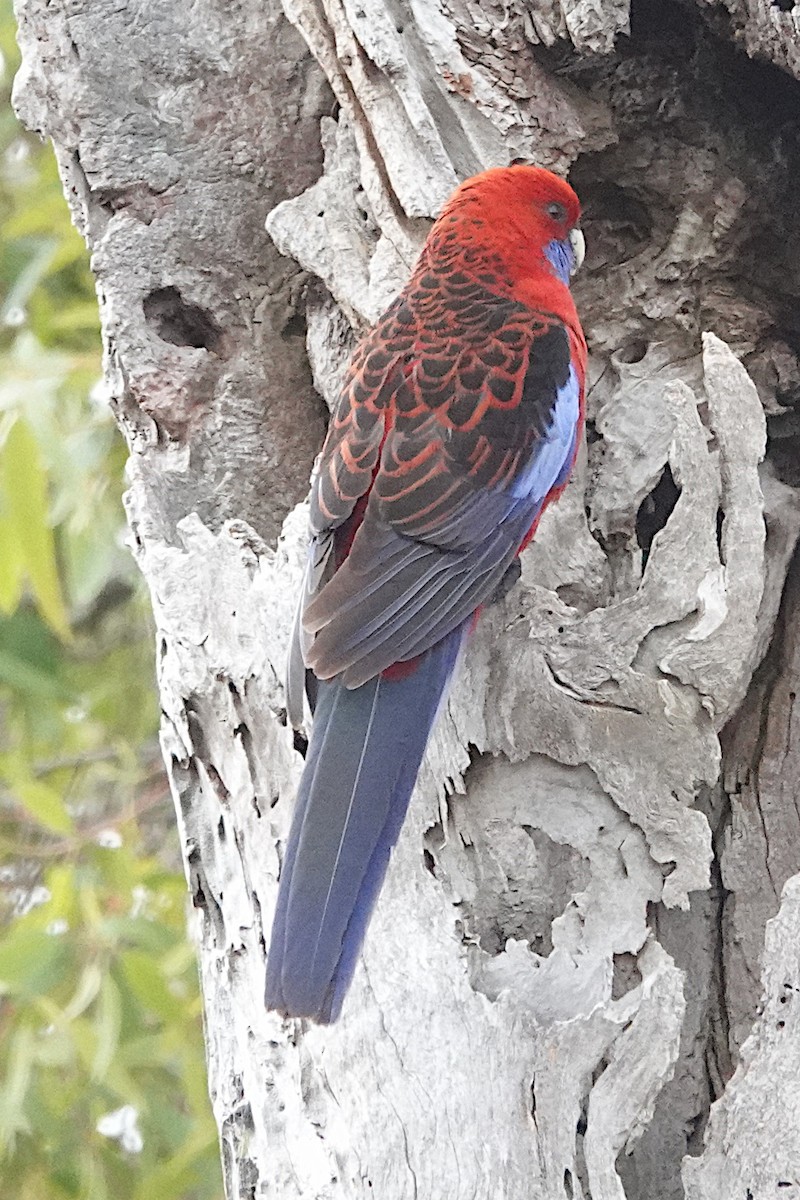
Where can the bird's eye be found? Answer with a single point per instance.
(557, 211)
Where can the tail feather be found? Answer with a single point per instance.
(366, 747)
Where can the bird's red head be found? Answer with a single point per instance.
(528, 197)
(518, 211)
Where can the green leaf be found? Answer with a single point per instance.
(30, 276)
(12, 572)
(44, 804)
(89, 985)
(26, 507)
(54, 1046)
(107, 1027)
(31, 659)
(39, 800)
(15, 1087)
(146, 981)
(185, 1171)
(32, 963)
(21, 677)
(151, 936)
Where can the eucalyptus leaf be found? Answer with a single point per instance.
(32, 962)
(26, 506)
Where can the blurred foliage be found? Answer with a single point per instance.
(102, 1074)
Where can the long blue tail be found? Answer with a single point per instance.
(365, 751)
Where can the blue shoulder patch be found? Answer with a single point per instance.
(553, 454)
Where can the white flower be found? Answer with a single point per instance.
(109, 839)
(121, 1125)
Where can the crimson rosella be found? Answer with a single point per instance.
(458, 422)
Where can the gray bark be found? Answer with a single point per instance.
(564, 965)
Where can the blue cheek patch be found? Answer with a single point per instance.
(561, 258)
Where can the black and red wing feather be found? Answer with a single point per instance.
(452, 442)
(352, 447)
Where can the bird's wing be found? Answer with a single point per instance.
(467, 436)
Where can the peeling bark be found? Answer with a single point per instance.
(753, 1141)
(762, 834)
(563, 968)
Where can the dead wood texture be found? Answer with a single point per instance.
(567, 972)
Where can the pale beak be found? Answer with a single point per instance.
(578, 243)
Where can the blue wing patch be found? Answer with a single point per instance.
(552, 461)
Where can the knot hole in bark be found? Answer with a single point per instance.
(180, 323)
(656, 509)
(621, 222)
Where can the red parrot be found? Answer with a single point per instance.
(458, 422)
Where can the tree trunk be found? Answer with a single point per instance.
(537, 992)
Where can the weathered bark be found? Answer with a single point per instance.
(537, 994)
